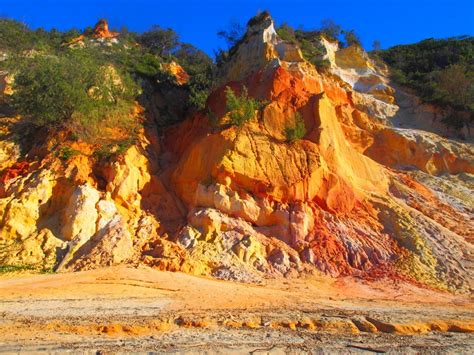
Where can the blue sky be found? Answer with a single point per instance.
(391, 22)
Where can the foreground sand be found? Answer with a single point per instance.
(125, 309)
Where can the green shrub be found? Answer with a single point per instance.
(287, 33)
(67, 152)
(15, 268)
(108, 150)
(298, 131)
(241, 108)
(309, 43)
(159, 41)
(18, 268)
(440, 72)
(74, 90)
(351, 38)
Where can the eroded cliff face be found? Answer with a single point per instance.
(355, 196)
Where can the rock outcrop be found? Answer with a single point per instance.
(100, 33)
(354, 196)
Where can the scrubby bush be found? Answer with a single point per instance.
(16, 37)
(241, 109)
(74, 90)
(351, 38)
(160, 41)
(439, 71)
(308, 41)
(232, 34)
(330, 29)
(67, 152)
(298, 131)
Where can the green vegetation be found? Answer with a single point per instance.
(440, 72)
(18, 268)
(309, 43)
(161, 42)
(16, 37)
(241, 108)
(351, 38)
(74, 90)
(70, 73)
(330, 29)
(108, 150)
(67, 152)
(298, 131)
(200, 67)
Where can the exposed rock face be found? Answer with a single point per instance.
(101, 30)
(177, 71)
(100, 33)
(354, 196)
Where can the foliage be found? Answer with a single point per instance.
(330, 29)
(73, 89)
(16, 37)
(18, 268)
(298, 131)
(241, 109)
(108, 150)
(351, 38)
(439, 71)
(15, 268)
(67, 152)
(287, 33)
(308, 41)
(199, 90)
(160, 41)
(376, 45)
(232, 34)
(201, 70)
(147, 65)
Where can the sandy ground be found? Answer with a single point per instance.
(142, 310)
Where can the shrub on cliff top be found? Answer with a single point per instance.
(241, 108)
(440, 71)
(298, 131)
(73, 90)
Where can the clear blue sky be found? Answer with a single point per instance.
(391, 22)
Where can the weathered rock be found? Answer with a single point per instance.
(354, 195)
(177, 72)
(80, 216)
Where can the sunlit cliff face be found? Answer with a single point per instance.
(243, 202)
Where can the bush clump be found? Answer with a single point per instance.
(440, 71)
(76, 91)
(298, 131)
(308, 41)
(241, 109)
(65, 153)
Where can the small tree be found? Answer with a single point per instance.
(351, 38)
(232, 34)
(330, 28)
(287, 33)
(457, 84)
(376, 45)
(298, 131)
(241, 109)
(160, 41)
